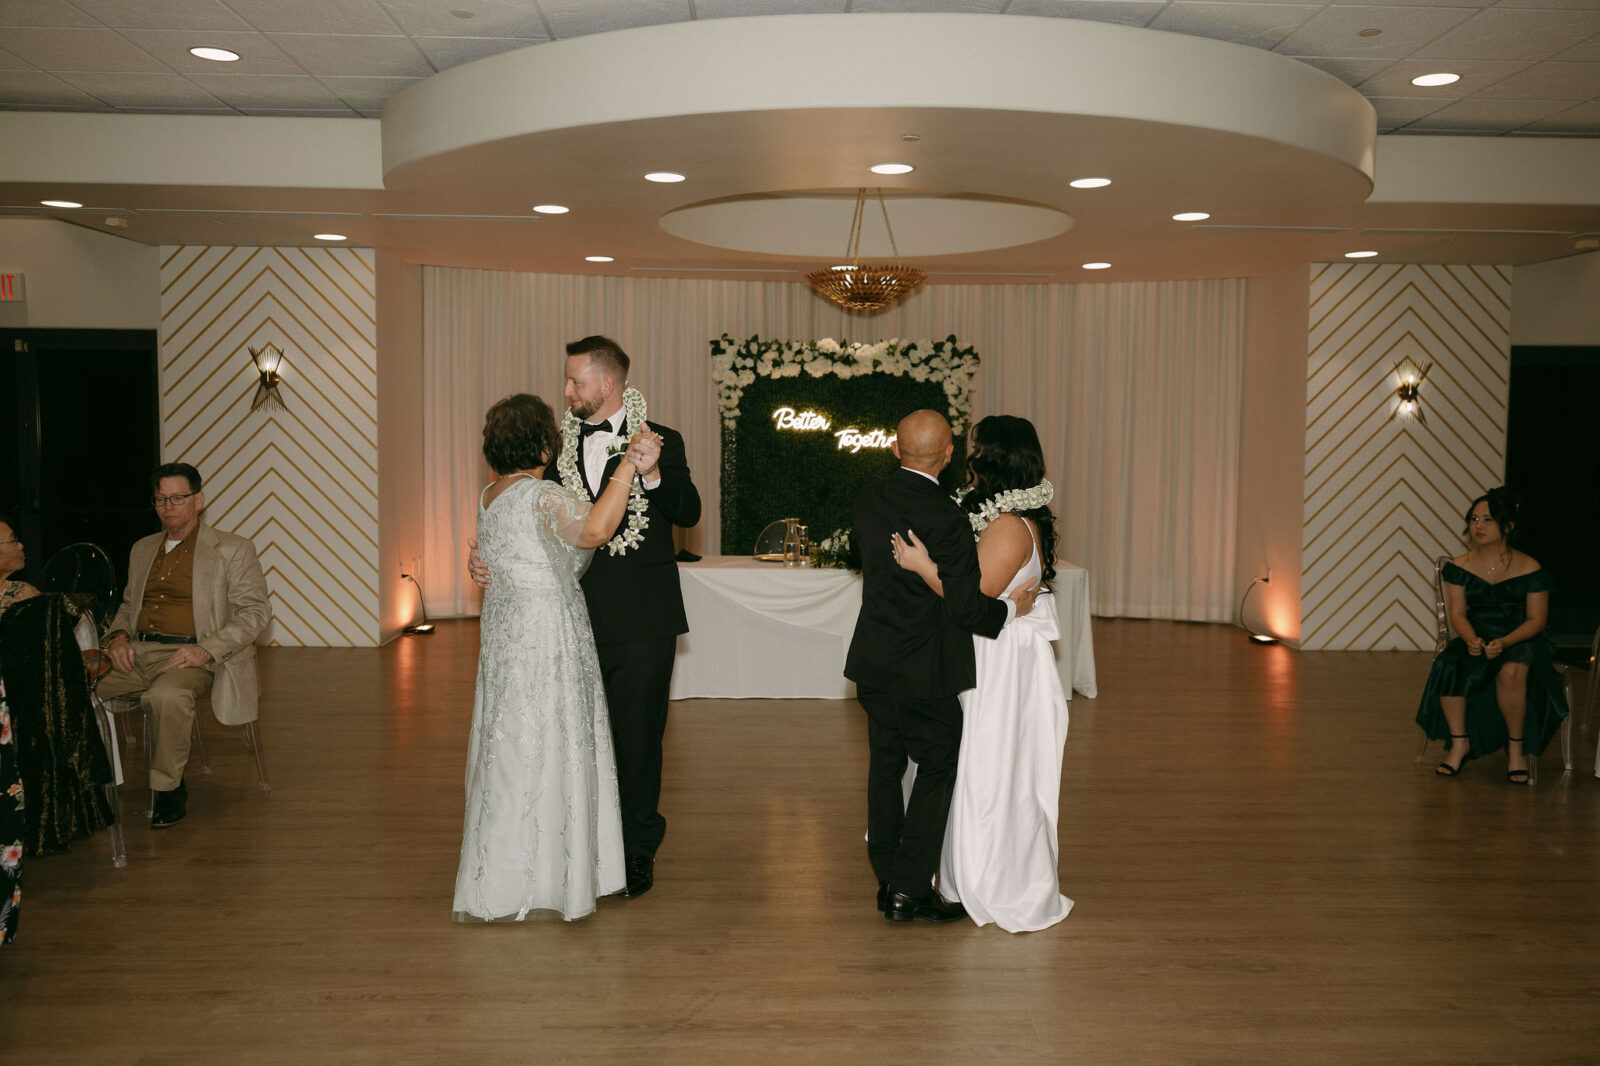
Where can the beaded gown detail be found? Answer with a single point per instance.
(543, 832)
(1495, 609)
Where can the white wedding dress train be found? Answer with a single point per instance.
(543, 832)
(1000, 848)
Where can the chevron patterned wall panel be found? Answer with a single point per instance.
(1384, 495)
(301, 482)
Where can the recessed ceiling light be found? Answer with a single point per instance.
(1372, 32)
(60, 203)
(599, 259)
(1090, 183)
(1191, 216)
(666, 177)
(892, 168)
(216, 55)
(550, 209)
(1430, 80)
(1359, 255)
(911, 136)
(328, 236)
(1097, 266)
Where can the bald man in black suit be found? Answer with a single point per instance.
(910, 657)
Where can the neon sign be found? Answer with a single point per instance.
(851, 439)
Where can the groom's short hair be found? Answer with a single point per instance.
(603, 352)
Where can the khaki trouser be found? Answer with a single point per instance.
(168, 698)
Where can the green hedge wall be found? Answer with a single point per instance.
(769, 473)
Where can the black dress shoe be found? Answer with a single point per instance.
(169, 807)
(641, 875)
(900, 907)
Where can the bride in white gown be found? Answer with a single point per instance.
(1000, 847)
(543, 830)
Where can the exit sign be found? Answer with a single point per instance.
(11, 288)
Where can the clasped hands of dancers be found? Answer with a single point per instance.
(576, 650)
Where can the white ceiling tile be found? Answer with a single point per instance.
(490, 18)
(1349, 71)
(1504, 33)
(1337, 31)
(1548, 81)
(36, 88)
(1475, 74)
(965, 7)
(1584, 119)
(1413, 3)
(266, 90)
(575, 18)
(367, 94)
(447, 52)
(257, 54)
(1582, 52)
(11, 62)
(393, 57)
(720, 9)
(1566, 5)
(1396, 111)
(319, 16)
(1119, 12)
(42, 13)
(60, 49)
(142, 90)
(1258, 25)
(162, 14)
(1472, 116)
(218, 110)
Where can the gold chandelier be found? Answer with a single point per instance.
(866, 288)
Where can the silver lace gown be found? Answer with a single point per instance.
(543, 832)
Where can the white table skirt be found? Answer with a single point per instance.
(763, 631)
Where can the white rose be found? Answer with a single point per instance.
(829, 345)
(843, 371)
(746, 377)
(816, 368)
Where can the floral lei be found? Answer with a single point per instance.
(1006, 502)
(567, 467)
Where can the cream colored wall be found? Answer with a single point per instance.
(400, 497)
(1272, 452)
(302, 483)
(1383, 497)
(1557, 303)
(78, 278)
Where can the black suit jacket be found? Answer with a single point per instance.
(908, 640)
(635, 596)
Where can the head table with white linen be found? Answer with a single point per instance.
(760, 630)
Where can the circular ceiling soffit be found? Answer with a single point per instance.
(816, 226)
(726, 66)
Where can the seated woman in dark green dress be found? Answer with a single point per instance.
(1495, 685)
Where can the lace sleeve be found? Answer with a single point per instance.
(562, 511)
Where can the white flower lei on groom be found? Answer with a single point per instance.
(567, 467)
(1007, 502)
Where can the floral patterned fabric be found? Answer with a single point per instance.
(10, 829)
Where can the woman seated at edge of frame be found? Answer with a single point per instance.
(1495, 684)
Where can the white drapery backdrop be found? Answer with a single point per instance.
(1135, 390)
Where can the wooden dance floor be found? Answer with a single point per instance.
(1262, 875)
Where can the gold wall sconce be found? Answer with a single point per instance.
(267, 359)
(1408, 398)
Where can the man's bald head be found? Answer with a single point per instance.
(923, 441)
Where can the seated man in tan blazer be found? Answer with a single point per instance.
(194, 606)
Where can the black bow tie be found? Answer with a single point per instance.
(588, 429)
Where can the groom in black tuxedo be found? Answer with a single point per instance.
(910, 657)
(635, 601)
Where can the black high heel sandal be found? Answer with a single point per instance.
(1516, 777)
(1444, 769)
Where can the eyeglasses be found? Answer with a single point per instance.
(175, 499)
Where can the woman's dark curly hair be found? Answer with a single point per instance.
(1503, 507)
(520, 433)
(1006, 455)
